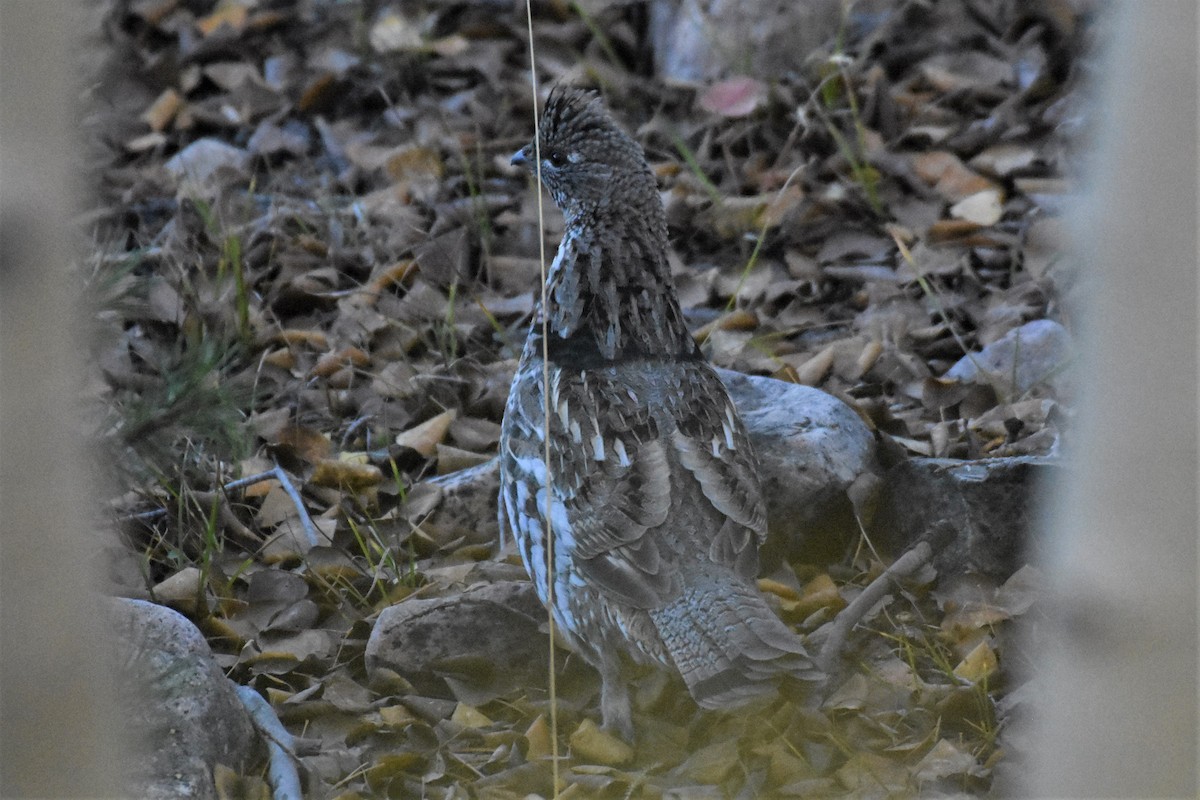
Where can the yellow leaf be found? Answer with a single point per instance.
(470, 717)
(163, 110)
(781, 590)
(980, 664)
(737, 320)
(538, 736)
(589, 743)
(338, 474)
(414, 163)
(396, 716)
(231, 14)
(818, 593)
(314, 339)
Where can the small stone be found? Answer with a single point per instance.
(491, 630)
(197, 166)
(1033, 353)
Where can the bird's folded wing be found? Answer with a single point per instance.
(622, 499)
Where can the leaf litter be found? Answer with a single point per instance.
(312, 255)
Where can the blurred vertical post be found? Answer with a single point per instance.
(1117, 713)
(55, 693)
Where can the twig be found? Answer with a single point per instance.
(236, 526)
(246, 481)
(146, 516)
(281, 771)
(310, 530)
(839, 629)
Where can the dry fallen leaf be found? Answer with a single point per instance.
(337, 473)
(425, 438)
(982, 208)
(160, 113)
(733, 97)
(949, 176)
(979, 665)
(590, 744)
(228, 13)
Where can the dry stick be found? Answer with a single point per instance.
(230, 519)
(146, 516)
(238, 529)
(310, 530)
(537, 160)
(839, 629)
(281, 771)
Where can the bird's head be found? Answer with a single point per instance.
(587, 161)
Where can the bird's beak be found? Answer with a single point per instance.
(521, 157)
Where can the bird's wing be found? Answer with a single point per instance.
(626, 486)
(713, 446)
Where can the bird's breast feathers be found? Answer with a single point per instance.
(649, 466)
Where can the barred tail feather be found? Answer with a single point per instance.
(729, 646)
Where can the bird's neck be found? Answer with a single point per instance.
(611, 296)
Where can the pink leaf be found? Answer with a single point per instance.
(735, 97)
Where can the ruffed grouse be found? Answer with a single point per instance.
(655, 509)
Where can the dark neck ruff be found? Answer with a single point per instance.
(614, 300)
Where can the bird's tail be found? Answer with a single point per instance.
(728, 645)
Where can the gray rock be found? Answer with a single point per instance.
(811, 448)
(483, 641)
(1033, 353)
(199, 167)
(976, 514)
(459, 506)
(701, 40)
(183, 713)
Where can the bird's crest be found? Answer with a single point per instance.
(574, 114)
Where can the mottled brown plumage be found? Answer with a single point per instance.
(656, 508)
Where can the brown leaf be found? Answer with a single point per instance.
(305, 443)
(345, 474)
(230, 13)
(317, 94)
(332, 362)
(160, 113)
(424, 438)
(312, 338)
(154, 11)
(414, 163)
(949, 176)
(814, 370)
(276, 507)
(736, 320)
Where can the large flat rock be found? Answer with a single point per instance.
(811, 447)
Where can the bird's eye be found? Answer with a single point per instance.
(557, 157)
